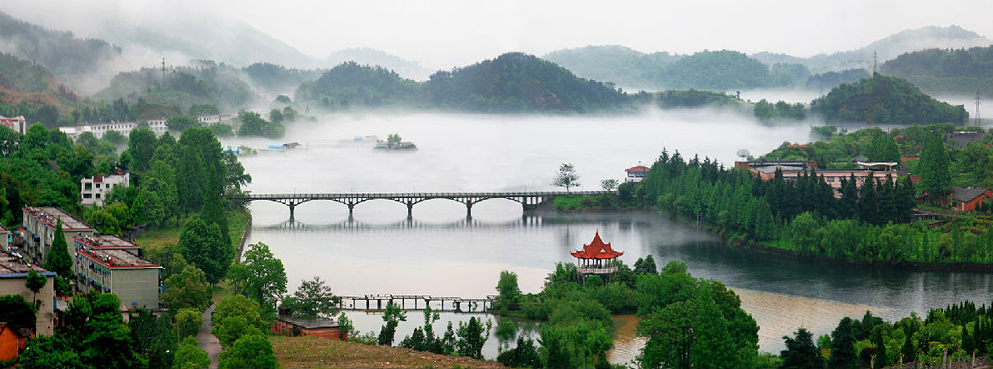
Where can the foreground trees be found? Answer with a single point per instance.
(694, 323)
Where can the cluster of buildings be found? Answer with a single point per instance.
(793, 169)
(962, 198)
(100, 262)
(158, 126)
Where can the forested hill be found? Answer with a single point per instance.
(519, 82)
(204, 82)
(716, 70)
(512, 82)
(707, 70)
(886, 48)
(619, 64)
(351, 84)
(23, 80)
(885, 100)
(69, 58)
(945, 70)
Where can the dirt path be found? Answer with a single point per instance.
(207, 341)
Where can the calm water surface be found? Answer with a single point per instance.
(439, 252)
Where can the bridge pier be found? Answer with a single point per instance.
(410, 209)
(468, 210)
(351, 206)
(293, 206)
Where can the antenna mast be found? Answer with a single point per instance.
(163, 70)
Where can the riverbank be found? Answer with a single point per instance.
(316, 352)
(573, 204)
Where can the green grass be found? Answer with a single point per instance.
(237, 221)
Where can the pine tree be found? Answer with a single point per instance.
(58, 259)
(936, 178)
(843, 353)
(869, 202)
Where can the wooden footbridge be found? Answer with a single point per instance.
(529, 200)
(418, 302)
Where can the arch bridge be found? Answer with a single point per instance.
(528, 200)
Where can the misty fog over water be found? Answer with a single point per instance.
(439, 252)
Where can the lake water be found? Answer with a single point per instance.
(439, 252)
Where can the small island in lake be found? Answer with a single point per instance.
(394, 142)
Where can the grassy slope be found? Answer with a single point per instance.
(315, 352)
(237, 221)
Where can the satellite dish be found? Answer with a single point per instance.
(743, 153)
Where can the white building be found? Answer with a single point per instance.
(209, 120)
(636, 173)
(18, 124)
(94, 190)
(158, 126)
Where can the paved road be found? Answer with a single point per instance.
(207, 341)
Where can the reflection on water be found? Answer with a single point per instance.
(440, 252)
(464, 258)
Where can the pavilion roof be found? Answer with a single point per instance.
(597, 250)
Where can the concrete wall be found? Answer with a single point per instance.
(46, 314)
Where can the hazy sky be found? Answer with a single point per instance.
(451, 32)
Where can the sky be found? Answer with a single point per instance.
(442, 33)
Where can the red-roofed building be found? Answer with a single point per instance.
(636, 174)
(594, 258)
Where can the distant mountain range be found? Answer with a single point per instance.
(951, 37)
(271, 67)
(637, 70)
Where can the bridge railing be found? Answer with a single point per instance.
(393, 195)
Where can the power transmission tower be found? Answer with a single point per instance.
(979, 101)
(875, 62)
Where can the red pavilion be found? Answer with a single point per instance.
(594, 258)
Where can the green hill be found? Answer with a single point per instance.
(205, 82)
(277, 79)
(617, 64)
(21, 75)
(885, 100)
(69, 58)
(716, 70)
(353, 84)
(517, 82)
(946, 70)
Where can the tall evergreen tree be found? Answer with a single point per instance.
(201, 244)
(58, 259)
(936, 178)
(843, 353)
(848, 205)
(801, 352)
(869, 202)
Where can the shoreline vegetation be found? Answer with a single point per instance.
(868, 226)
